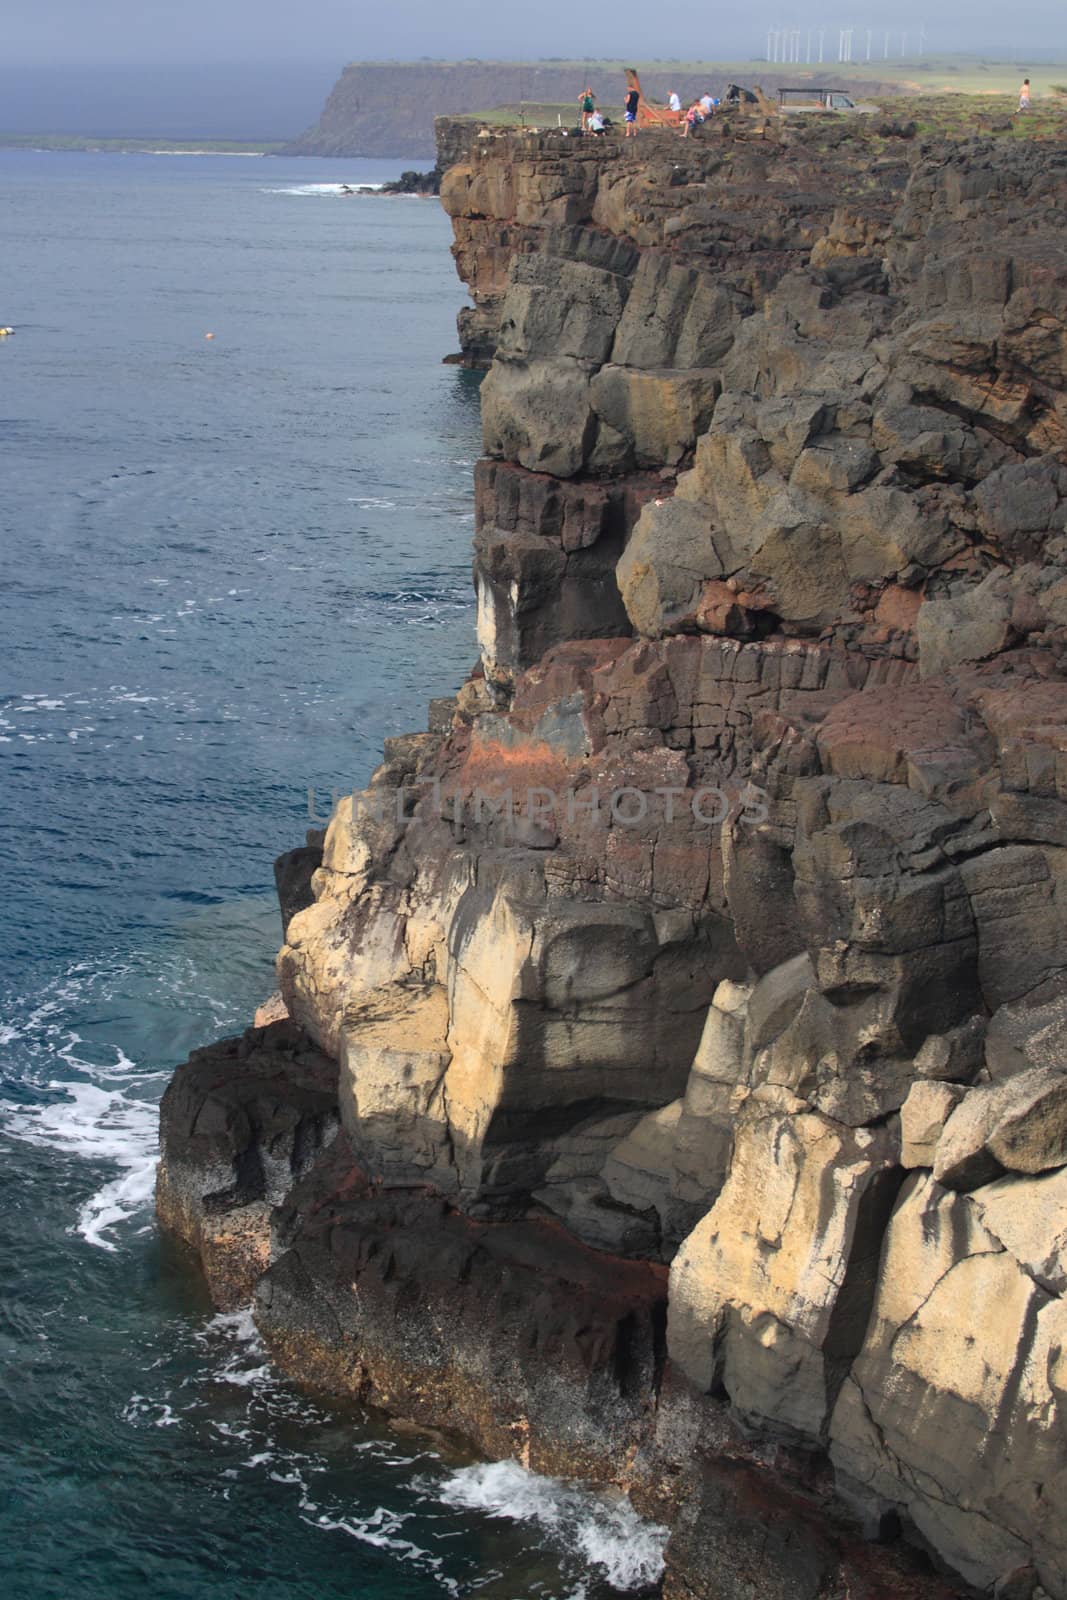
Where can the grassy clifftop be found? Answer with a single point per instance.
(386, 108)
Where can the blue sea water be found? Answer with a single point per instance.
(228, 567)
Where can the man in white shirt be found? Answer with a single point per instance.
(707, 104)
(674, 102)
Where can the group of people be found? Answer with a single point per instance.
(697, 113)
(592, 119)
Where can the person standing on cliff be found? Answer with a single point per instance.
(1024, 95)
(586, 105)
(633, 100)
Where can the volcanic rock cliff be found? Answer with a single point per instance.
(675, 1085)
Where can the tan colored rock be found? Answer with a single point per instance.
(922, 1119)
(714, 1093)
(776, 999)
(950, 1411)
(394, 1057)
(1020, 1125)
(834, 465)
(883, 530)
(734, 477)
(638, 1171)
(349, 943)
(559, 1005)
(771, 1288)
(1029, 1217)
(1030, 1134)
(364, 827)
(272, 1010)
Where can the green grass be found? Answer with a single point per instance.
(936, 113)
(963, 116)
(84, 142)
(939, 74)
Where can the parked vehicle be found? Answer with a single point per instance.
(809, 99)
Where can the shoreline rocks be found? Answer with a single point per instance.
(673, 1091)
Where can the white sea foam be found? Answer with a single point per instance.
(97, 1124)
(324, 191)
(605, 1531)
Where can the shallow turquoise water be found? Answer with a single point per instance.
(229, 568)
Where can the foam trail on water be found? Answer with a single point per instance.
(325, 191)
(605, 1532)
(97, 1124)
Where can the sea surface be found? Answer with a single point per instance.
(229, 567)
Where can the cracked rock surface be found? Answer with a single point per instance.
(691, 997)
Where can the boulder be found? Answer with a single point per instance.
(797, 560)
(639, 1169)
(776, 999)
(1018, 1126)
(675, 316)
(1027, 1035)
(671, 553)
(1029, 1217)
(1018, 919)
(714, 1092)
(539, 414)
(1021, 505)
(392, 1068)
(558, 308)
(955, 1056)
(660, 413)
(950, 1410)
(769, 1294)
(922, 1120)
(972, 625)
(555, 1008)
(884, 529)
(834, 465)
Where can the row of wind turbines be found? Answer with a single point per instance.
(800, 44)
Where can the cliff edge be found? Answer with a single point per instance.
(674, 1088)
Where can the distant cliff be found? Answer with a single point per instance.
(387, 108)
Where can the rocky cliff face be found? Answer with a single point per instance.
(697, 984)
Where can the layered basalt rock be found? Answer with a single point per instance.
(697, 980)
(239, 1124)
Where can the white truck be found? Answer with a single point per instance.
(793, 101)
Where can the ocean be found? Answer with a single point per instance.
(229, 568)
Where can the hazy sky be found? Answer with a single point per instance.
(117, 31)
